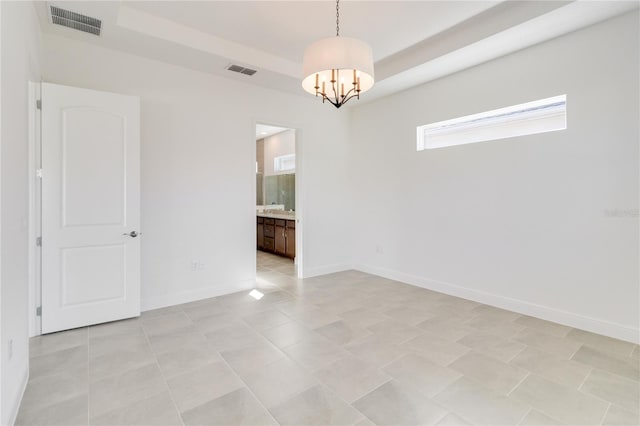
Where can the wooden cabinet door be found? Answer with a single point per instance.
(260, 236)
(281, 242)
(290, 234)
(268, 244)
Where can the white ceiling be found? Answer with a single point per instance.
(413, 41)
(265, 130)
(285, 28)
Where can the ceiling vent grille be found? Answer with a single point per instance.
(74, 20)
(241, 69)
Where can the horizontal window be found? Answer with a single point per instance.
(284, 163)
(545, 115)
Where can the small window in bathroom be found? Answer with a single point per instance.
(284, 163)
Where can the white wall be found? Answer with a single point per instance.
(21, 50)
(283, 143)
(524, 223)
(198, 169)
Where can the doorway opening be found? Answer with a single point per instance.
(277, 247)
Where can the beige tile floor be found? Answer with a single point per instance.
(346, 348)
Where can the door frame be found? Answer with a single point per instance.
(299, 182)
(35, 209)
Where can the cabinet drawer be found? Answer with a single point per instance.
(269, 231)
(280, 222)
(269, 221)
(260, 219)
(269, 243)
(291, 224)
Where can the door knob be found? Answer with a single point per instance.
(132, 234)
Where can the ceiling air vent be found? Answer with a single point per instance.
(241, 70)
(74, 20)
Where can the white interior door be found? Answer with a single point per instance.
(90, 207)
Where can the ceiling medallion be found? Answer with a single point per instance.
(338, 68)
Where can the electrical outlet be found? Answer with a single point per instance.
(10, 349)
(197, 265)
(379, 250)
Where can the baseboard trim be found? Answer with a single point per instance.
(595, 325)
(16, 405)
(170, 299)
(324, 270)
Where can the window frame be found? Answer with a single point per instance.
(540, 116)
(280, 161)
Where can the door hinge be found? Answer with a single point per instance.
(39, 241)
(39, 104)
(39, 311)
(39, 173)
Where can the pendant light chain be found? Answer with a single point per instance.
(337, 18)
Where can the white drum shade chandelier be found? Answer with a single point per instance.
(338, 68)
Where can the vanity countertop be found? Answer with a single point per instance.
(278, 215)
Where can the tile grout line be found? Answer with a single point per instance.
(605, 413)
(155, 358)
(235, 373)
(396, 358)
(300, 366)
(245, 383)
(466, 419)
(311, 372)
(343, 400)
(519, 383)
(518, 353)
(458, 357)
(364, 416)
(586, 377)
(531, 408)
(587, 394)
(579, 391)
(446, 411)
(525, 415)
(576, 351)
(599, 398)
(247, 388)
(372, 390)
